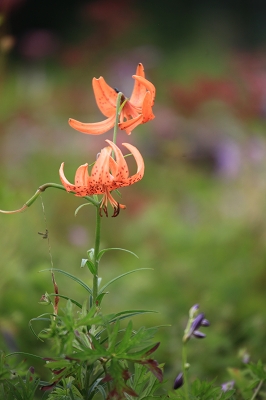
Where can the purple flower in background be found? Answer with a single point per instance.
(228, 159)
(246, 358)
(194, 324)
(227, 386)
(244, 355)
(179, 381)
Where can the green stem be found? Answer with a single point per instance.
(96, 253)
(106, 373)
(41, 189)
(184, 363)
(117, 114)
(257, 390)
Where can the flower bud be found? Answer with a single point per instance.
(179, 381)
(199, 335)
(196, 323)
(193, 310)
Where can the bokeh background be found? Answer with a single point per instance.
(197, 218)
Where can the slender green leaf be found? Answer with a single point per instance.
(67, 298)
(123, 345)
(14, 391)
(91, 267)
(100, 298)
(80, 282)
(94, 386)
(82, 205)
(101, 253)
(88, 263)
(112, 336)
(90, 253)
(130, 313)
(21, 353)
(40, 318)
(121, 276)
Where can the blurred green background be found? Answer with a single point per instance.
(198, 216)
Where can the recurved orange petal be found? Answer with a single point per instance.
(67, 185)
(148, 85)
(79, 189)
(105, 96)
(139, 89)
(96, 128)
(131, 124)
(81, 176)
(128, 112)
(140, 165)
(122, 168)
(100, 171)
(147, 108)
(140, 70)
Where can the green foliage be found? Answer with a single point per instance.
(202, 390)
(191, 231)
(17, 383)
(92, 352)
(145, 384)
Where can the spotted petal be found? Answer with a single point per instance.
(105, 96)
(80, 188)
(100, 171)
(131, 124)
(122, 168)
(81, 176)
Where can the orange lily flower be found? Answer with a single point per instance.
(136, 110)
(107, 174)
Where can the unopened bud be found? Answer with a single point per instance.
(205, 322)
(199, 335)
(193, 310)
(179, 381)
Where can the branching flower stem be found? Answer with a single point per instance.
(95, 286)
(41, 189)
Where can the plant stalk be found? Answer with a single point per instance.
(96, 253)
(117, 114)
(184, 364)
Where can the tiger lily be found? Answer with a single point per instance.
(107, 174)
(135, 110)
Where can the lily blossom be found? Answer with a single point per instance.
(108, 173)
(135, 111)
